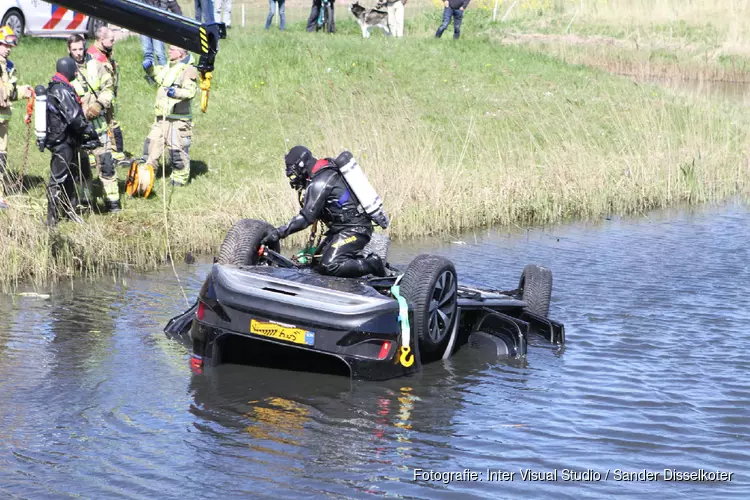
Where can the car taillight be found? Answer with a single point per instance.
(201, 311)
(384, 349)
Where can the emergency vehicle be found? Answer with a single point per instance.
(38, 18)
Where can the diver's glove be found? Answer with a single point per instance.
(91, 144)
(272, 237)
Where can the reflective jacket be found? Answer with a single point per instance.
(8, 88)
(65, 119)
(83, 89)
(100, 75)
(183, 77)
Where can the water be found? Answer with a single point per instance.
(96, 402)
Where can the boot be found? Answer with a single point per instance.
(374, 265)
(53, 204)
(119, 142)
(113, 206)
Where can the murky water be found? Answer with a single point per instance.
(96, 402)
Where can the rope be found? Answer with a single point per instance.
(166, 211)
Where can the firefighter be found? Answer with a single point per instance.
(173, 126)
(81, 165)
(67, 131)
(100, 75)
(9, 92)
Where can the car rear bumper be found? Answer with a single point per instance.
(283, 318)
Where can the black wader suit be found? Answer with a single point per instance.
(327, 198)
(67, 129)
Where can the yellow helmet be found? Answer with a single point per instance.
(7, 36)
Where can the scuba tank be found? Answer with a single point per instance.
(40, 116)
(355, 178)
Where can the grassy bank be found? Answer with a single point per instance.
(672, 39)
(453, 136)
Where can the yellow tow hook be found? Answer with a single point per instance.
(205, 89)
(406, 358)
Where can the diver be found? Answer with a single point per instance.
(326, 195)
(67, 131)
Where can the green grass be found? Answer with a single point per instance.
(707, 40)
(452, 135)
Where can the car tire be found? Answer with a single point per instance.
(14, 19)
(94, 24)
(241, 244)
(536, 289)
(429, 286)
(378, 245)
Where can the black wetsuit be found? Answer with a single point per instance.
(67, 129)
(328, 198)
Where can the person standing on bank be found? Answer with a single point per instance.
(453, 9)
(204, 11)
(9, 92)
(312, 21)
(173, 124)
(279, 5)
(223, 12)
(67, 131)
(395, 9)
(153, 48)
(101, 75)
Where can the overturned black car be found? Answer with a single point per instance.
(258, 306)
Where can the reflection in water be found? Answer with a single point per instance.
(96, 402)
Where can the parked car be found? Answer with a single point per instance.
(38, 18)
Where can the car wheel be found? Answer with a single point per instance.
(536, 289)
(14, 19)
(94, 24)
(241, 244)
(429, 286)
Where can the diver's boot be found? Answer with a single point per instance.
(53, 205)
(373, 264)
(69, 209)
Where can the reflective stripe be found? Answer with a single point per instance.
(78, 86)
(92, 77)
(168, 75)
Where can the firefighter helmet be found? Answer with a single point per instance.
(8, 36)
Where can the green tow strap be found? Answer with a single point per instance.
(406, 358)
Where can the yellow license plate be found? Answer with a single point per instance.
(289, 334)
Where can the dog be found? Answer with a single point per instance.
(370, 18)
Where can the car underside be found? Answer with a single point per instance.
(260, 307)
